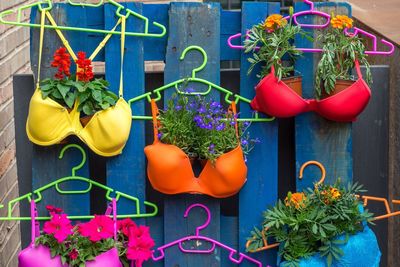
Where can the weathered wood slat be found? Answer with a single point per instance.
(126, 172)
(261, 188)
(46, 167)
(192, 24)
(317, 138)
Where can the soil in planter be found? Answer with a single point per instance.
(85, 120)
(339, 86)
(294, 83)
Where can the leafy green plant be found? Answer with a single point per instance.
(202, 128)
(94, 96)
(339, 54)
(62, 91)
(275, 38)
(311, 222)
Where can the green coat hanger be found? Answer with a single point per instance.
(228, 94)
(37, 194)
(46, 5)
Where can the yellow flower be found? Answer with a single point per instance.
(335, 193)
(341, 22)
(274, 21)
(295, 199)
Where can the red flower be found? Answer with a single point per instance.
(73, 255)
(125, 225)
(59, 226)
(85, 68)
(140, 245)
(100, 227)
(139, 249)
(53, 209)
(62, 61)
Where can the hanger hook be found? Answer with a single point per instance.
(208, 216)
(308, 2)
(74, 169)
(319, 165)
(195, 47)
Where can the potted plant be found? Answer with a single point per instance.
(61, 88)
(202, 128)
(275, 37)
(93, 94)
(340, 51)
(324, 226)
(92, 243)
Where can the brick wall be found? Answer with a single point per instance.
(14, 58)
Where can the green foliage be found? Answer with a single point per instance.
(94, 96)
(87, 250)
(339, 53)
(202, 128)
(274, 45)
(62, 91)
(312, 221)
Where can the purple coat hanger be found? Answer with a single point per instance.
(321, 26)
(232, 252)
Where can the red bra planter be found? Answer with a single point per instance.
(275, 98)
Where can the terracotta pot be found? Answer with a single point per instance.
(85, 120)
(340, 85)
(294, 83)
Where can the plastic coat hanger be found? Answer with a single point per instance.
(46, 5)
(193, 78)
(37, 194)
(197, 237)
(389, 212)
(327, 17)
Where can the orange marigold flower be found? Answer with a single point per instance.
(85, 68)
(274, 21)
(296, 200)
(341, 22)
(335, 193)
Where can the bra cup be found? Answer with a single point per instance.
(108, 130)
(347, 104)
(227, 176)
(270, 94)
(169, 169)
(39, 256)
(109, 258)
(48, 122)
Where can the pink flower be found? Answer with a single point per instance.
(73, 255)
(139, 232)
(53, 209)
(139, 249)
(125, 225)
(59, 226)
(100, 227)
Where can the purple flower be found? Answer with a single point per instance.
(220, 127)
(232, 122)
(189, 90)
(202, 109)
(246, 124)
(211, 148)
(178, 107)
(160, 135)
(198, 119)
(208, 116)
(245, 142)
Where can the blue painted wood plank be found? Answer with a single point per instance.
(46, 167)
(192, 24)
(317, 138)
(126, 172)
(230, 24)
(261, 189)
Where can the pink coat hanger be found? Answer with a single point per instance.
(213, 242)
(311, 11)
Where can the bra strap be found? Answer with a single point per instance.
(154, 114)
(121, 77)
(234, 112)
(34, 225)
(41, 40)
(357, 64)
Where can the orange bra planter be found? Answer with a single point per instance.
(277, 99)
(170, 171)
